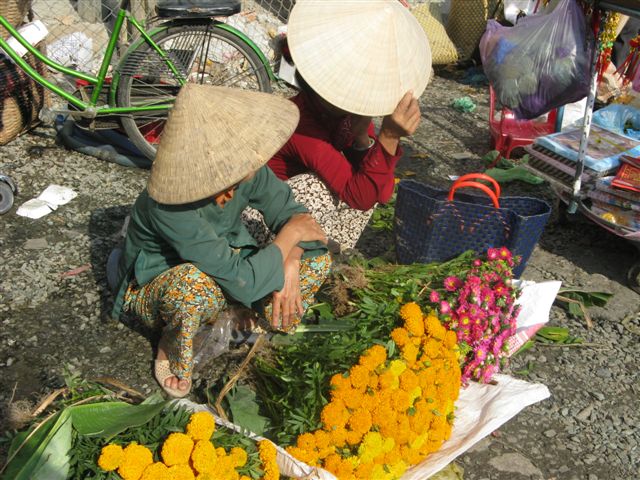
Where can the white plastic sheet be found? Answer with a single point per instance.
(480, 409)
(49, 200)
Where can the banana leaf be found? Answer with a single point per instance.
(108, 419)
(46, 452)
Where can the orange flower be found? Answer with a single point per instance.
(306, 441)
(360, 421)
(374, 357)
(400, 401)
(410, 311)
(359, 377)
(415, 325)
(410, 353)
(334, 414)
(322, 439)
(400, 336)
(338, 436)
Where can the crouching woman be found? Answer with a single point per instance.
(187, 256)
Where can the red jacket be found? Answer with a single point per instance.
(322, 145)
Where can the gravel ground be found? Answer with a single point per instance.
(53, 316)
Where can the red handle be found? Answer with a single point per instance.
(481, 176)
(481, 186)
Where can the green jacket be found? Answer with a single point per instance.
(213, 239)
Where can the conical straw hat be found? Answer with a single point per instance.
(214, 137)
(360, 55)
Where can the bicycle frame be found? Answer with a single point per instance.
(91, 109)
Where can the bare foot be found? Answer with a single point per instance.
(172, 381)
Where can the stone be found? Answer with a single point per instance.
(517, 464)
(36, 244)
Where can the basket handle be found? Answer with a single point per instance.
(491, 194)
(480, 176)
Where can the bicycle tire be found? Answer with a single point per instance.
(145, 78)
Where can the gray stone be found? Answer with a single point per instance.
(35, 244)
(515, 463)
(105, 349)
(550, 433)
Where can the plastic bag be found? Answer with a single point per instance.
(212, 339)
(620, 119)
(541, 63)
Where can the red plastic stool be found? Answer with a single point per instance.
(507, 132)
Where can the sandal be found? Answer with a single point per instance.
(162, 372)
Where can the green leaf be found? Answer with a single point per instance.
(502, 175)
(54, 461)
(244, 410)
(31, 455)
(107, 419)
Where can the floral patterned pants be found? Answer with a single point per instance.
(183, 298)
(340, 222)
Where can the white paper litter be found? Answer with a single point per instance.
(49, 200)
(33, 33)
(536, 299)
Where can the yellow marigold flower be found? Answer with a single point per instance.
(450, 339)
(402, 430)
(397, 469)
(322, 439)
(364, 471)
(339, 383)
(400, 336)
(267, 452)
(110, 457)
(338, 436)
(135, 459)
(419, 440)
(306, 441)
(334, 414)
(373, 357)
(411, 456)
(221, 452)
(383, 413)
(415, 394)
(388, 444)
(355, 399)
(181, 472)
(243, 477)
(201, 426)
(332, 463)
(360, 421)
(203, 456)
(431, 349)
(177, 449)
(434, 328)
(302, 455)
(380, 473)
(238, 457)
(415, 325)
(345, 469)
(359, 377)
(400, 401)
(388, 381)
(325, 452)
(373, 381)
(408, 380)
(371, 446)
(410, 310)
(410, 353)
(397, 367)
(353, 437)
(210, 476)
(156, 471)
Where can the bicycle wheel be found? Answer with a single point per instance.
(203, 54)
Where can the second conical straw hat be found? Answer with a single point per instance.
(214, 137)
(359, 55)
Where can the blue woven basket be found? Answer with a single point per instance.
(429, 228)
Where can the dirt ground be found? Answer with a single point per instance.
(55, 301)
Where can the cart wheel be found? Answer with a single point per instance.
(6, 198)
(633, 277)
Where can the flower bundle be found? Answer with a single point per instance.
(480, 307)
(191, 455)
(387, 414)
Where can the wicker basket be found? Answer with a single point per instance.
(14, 11)
(443, 51)
(21, 99)
(467, 22)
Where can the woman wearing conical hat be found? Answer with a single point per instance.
(187, 255)
(355, 60)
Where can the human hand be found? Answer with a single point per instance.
(404, 120)
(304, 228)
(287, 303)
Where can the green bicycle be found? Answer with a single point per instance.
(188, 46)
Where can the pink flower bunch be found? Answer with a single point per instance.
(479, 307)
